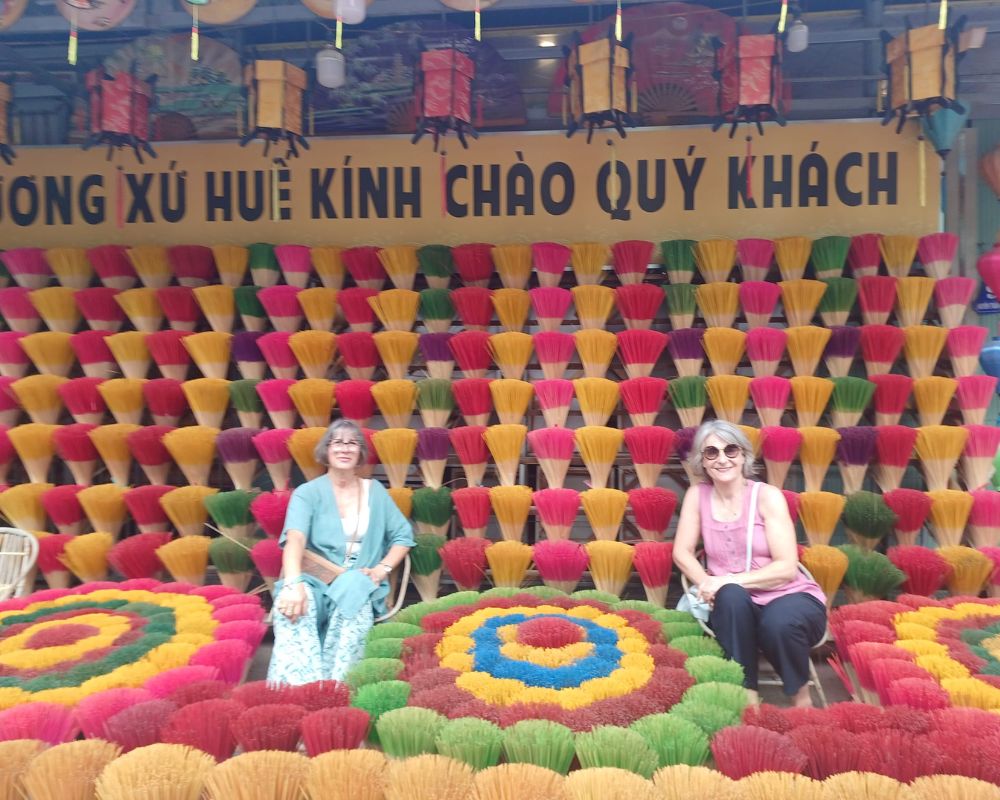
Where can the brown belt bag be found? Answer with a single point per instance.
(319, 567)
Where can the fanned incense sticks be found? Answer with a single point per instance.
(472, 505)
(112, 265)
(719, 303)
(816, 453)
(70, 266)
(238, 455)
(359, 353)
(56, 307)
(724, 348)
(193, 450)
(864, 255)
(396, 399)
(650, 448)
(505, 443)
(949, 513)
(811, 395)
(438, 359)
(111, 442)
(550, 260)
(892, 392)
(630, 260)
(168, 352)
(474, 305)
(686, 350)
(210, 352)
(511, 352)
(653, 507)
(806, 344)
(841, 350)
(598, 399)
(18, 311)
(313, 399)
(557, 510)
(14, 361)
(779, 448)
(315, 351)
(244, 398)
(964, 344)
(932, 397)
(849, 400)
(550, 304)
(553, 447)
(554, 398)
(855, 451)
(911, 508)
(104, 506)
(977, 457)
(396, 309)
(984, 518)
(689, 397)
(272, 446)
(898, 252)
(913, 296)
(938, 447)
(605, 510)
(362, 264)
(820, 512)
(936, 252)
(511, 398)
(513, 264)
(596, 348)
(758, 300)
(434, 400)
(471, 351)
(728, 395)
(554, 351)
(319, 305)
(395, 448)
(179, 307)
(765, 349)
(470, 447)
(511, 506)
(639, 350)
(165, 400)
(473, 398)
(770, 395)
(598, 448)
(274, 396)
(83, 400)
(124, 398)
(357, 310)
(73, 445)
(681, 304)
(400, 263)
(829, 254)
(678, 260)
(39, 396)
(22, 505)
(396, 350)
(231, 261)
(642, 398)
(755, 257)
(638, 304)
(922, 348)
(473, 262)
(894, 449)
(252, 313)
(610, 565)
(593, 305)
(792, 255)
(508, 561)
(715, 258)
(838, 300)
(436, 265)
(131, 353)
(151, 265)
(876, 297)
(560, 563)
(193, 264)
(278, 354)
(800, 299)
(50, 352)
(588, 260)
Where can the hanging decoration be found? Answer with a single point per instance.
(600, 84)
(989, 168)
(443, 95)
(475, 6)
(91, 15)
(119, 112)
(6, 151)
(942, 126)
(195, 26)
(274, 106)
(751, 83)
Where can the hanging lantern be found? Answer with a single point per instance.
(443, 95)
(119, 112)
(751, 83)
(195, 6)
(6, 151)
(275, 104)
(941, 127)
(600, 85)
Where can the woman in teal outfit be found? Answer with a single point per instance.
(342, 537)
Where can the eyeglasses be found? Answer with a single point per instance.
(336, 444)
(711, 452)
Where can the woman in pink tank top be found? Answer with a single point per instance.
(768, 606)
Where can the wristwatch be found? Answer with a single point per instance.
(386, 567)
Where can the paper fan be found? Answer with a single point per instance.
(96, 16)
(10, 12)
(219, 12)
(324, 8)
(468, 5)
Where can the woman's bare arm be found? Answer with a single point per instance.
(687, 536)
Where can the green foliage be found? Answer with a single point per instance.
(540, 742)
(475, 741)
(675, 739)
(608, 746)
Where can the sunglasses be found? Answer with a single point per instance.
(712, 452)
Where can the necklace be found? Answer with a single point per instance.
(728, 509)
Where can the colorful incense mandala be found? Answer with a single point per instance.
(59, 646)
(506, 656)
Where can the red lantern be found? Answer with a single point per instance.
(751, 85)
(6, 151)
(119, 112)
(443, 95)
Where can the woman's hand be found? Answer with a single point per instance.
(377, 573)
(292, 601)
(709, 587)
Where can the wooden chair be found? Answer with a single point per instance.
(397, 592)
(18, 554)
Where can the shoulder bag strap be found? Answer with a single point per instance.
(751, 520)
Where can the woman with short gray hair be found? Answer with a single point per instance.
(342, 536)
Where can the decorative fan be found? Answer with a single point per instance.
(401, 117)
(662, 103)
(325, 8)
(10, 12)
(220, 12)
(96, 16)
(468, 5)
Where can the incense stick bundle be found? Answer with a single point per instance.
(719, 303)
(770, 395)
(932, 396)
(112, 265)
(513, 264)
(434, 400)
(898, 252)
(264, 269)
(436, 310)
(278, 354)
(715, 259)
(56, 306)
(274, 396)
(473, 398)
(151, 265)
(689, 397)
(239, 456)
(939, 447)
(472, 505)
(913, 296)
(653, 507)
(683, 440)
(124, 397)
(474, 305)
(811, 396)
(800, 299)
(755, 257)
(779, 448)
(16, 308)
(554, 398)
(593, 305)
(511, 399)
(193, 264)
(922, 348)
(357, 310)
(74, 447)
(984, 518)
(186, 558)
(598, 447)
(864, 255)
(104, 506)
(681, 304)
(894, 449)
(313, 399)
(210, 352)
(639, 350)
(111, 442)
(550, 304)
(505, 443)
(816, 453)
(650, 448)
(252, 313)
(231, 261)
(728, 395)
(60, 504)
(557, 510)
(725, 348)
(911, 508)
(876, 297)
(146, 444)
(630, 260)
(432, 510)
(472, 353)
(550, 260)
(218, 304)
(50, 352)
(319, 306)
(244, 398)
(272, 446)
(792, 255)
(598, 399)
(554, 351)
(396, 309)
(610, 565)
(964, 344)
(588, 260)
(83, 400)
(363, 264)
(396, 400)
(193, 450)
(936, 252)
(758, 300)
(841, 350)
(977, 457)
(753, 436)
(14, 361)
(315, 352)
(820, 512)
(474, 264)
(806, 344)
(605, 510)
(678, 260)
(396, 350)
(855, 451)
(511, 352)
(130, 352)
(86, 556)
(395, 448)
(470, 447)
(179, 307)
(560, 563)
(70, 266)
(39, 396)
(638, 304)
(952, 297)
(509, 561)
(892, 392)
(329, 266)
(596, 348)
(765, 349)
(553, 447)
(849, 400)
(357, 348)
(511, 506)
(433, 446)
(22, 505)
(400, 264)
(643, 398)
(436, 265)
(90, 348)
(438, 358)
(686, 350)
(838, 300)
(949, 514)
(829, 254)
(165, 400)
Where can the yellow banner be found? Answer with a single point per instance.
(812, 179)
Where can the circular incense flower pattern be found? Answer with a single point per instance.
(59, 646)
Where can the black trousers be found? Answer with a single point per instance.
(784, 631)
